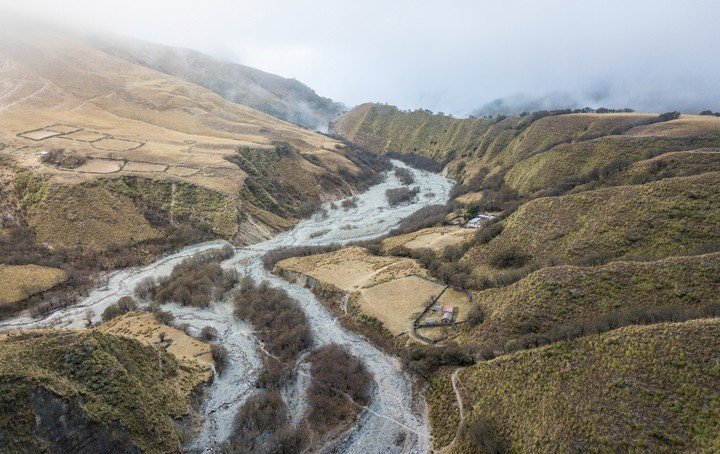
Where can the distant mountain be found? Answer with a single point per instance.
(287, 99)
(519, 103)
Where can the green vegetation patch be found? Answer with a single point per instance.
(557, 296)
(650, 389)
(677, 216)
(108, 381)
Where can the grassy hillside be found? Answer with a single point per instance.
(86, 390)
(576, 163)
(668, 165)
(651, 388)
(676, 216)
(280, 97)
(538, 154)
(557, 296)
(385, 128)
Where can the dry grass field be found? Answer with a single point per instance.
(18, 282)
(394, 290)
(192, 353)
(435, 238)
(61, 93)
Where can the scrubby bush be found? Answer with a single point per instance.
(122, 306)
(144, 288)
(336, 374)
(425, 217)
(405, 176)
(483, 437)
(219, 356)
(279, 323)
(476, 315)
(308, 208)
(487, 232)
(59, 158)
(349, 203)
(423, 360)
(263, 425)
(510, 257)
(197, 281)
(396, 196)
(208, 334)
(164, 317)
(271, 258)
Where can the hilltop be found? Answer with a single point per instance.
(287, 99)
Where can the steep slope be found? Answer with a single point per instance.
(280, 97)
(384, 128)
(107, 163)
(72, 391)
(545, 153)
(676, 216)
(650, 388)
(557, 296)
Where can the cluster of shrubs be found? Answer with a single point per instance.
(448, 267)
(122, 306)
(510, 257)
(59, 158)
(710, 112)
(483, 436)
(405, 176)
(196, 281)
(263, 425)
(424, 360)
(496, 194)
(397, 196)
(424, 217)
(418, 161)
(278, 321)
(337, 376)
(271, 258)
(600, 324)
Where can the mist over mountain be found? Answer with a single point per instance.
(611, 98)
(284, 98)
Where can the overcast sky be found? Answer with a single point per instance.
(452, 55)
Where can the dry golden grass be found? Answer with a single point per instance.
(18, 282)
(398, 302)
(143, 167)
(84, 136)
(120, 106)
(144, 327)
(439, 238)
(393, 290)
(101, 166)
(685, 126)
(352, 268)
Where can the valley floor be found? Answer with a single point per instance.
(392, 415)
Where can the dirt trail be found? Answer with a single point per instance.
(461, 407)
(392, 410)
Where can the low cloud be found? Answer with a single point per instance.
(453, 56)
